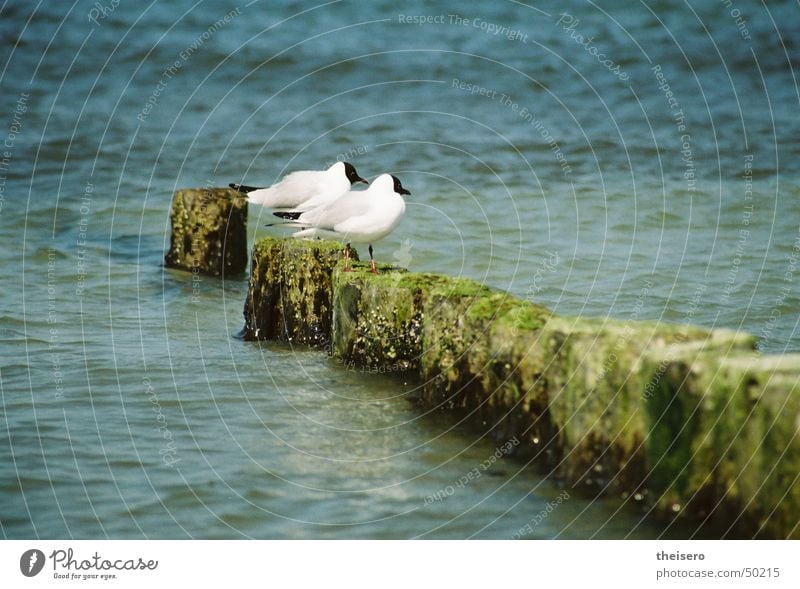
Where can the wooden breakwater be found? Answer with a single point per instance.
(209, 231)
(693, 422)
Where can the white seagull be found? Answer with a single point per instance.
(302, 191)
(361, 217)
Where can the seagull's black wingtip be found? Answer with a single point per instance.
(243, 188)
(292, 216)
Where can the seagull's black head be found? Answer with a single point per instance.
(398, 188)
(352, 175)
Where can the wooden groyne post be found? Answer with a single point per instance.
(209, 231)
(692, 421)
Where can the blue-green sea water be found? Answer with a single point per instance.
(637, 160)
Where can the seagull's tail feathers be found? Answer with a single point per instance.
(259, 196)
(244, 188)
(285, 224)
(289, 215)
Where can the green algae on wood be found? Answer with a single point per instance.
(377, 321)
(209, 231)
(692, 420)
(725, 437)
(289, 293)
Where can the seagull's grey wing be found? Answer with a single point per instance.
(291, 191)
(300, 186)
(351, 204)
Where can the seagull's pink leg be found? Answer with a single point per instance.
(372, 261)
(347, 258)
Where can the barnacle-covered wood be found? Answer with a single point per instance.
(209, 231)
(690, 422)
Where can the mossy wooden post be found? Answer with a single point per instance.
(692, 422)
(725, 439)
(209, 231)
(289, 294)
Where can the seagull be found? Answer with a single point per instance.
(302, 191)
(357, 216)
